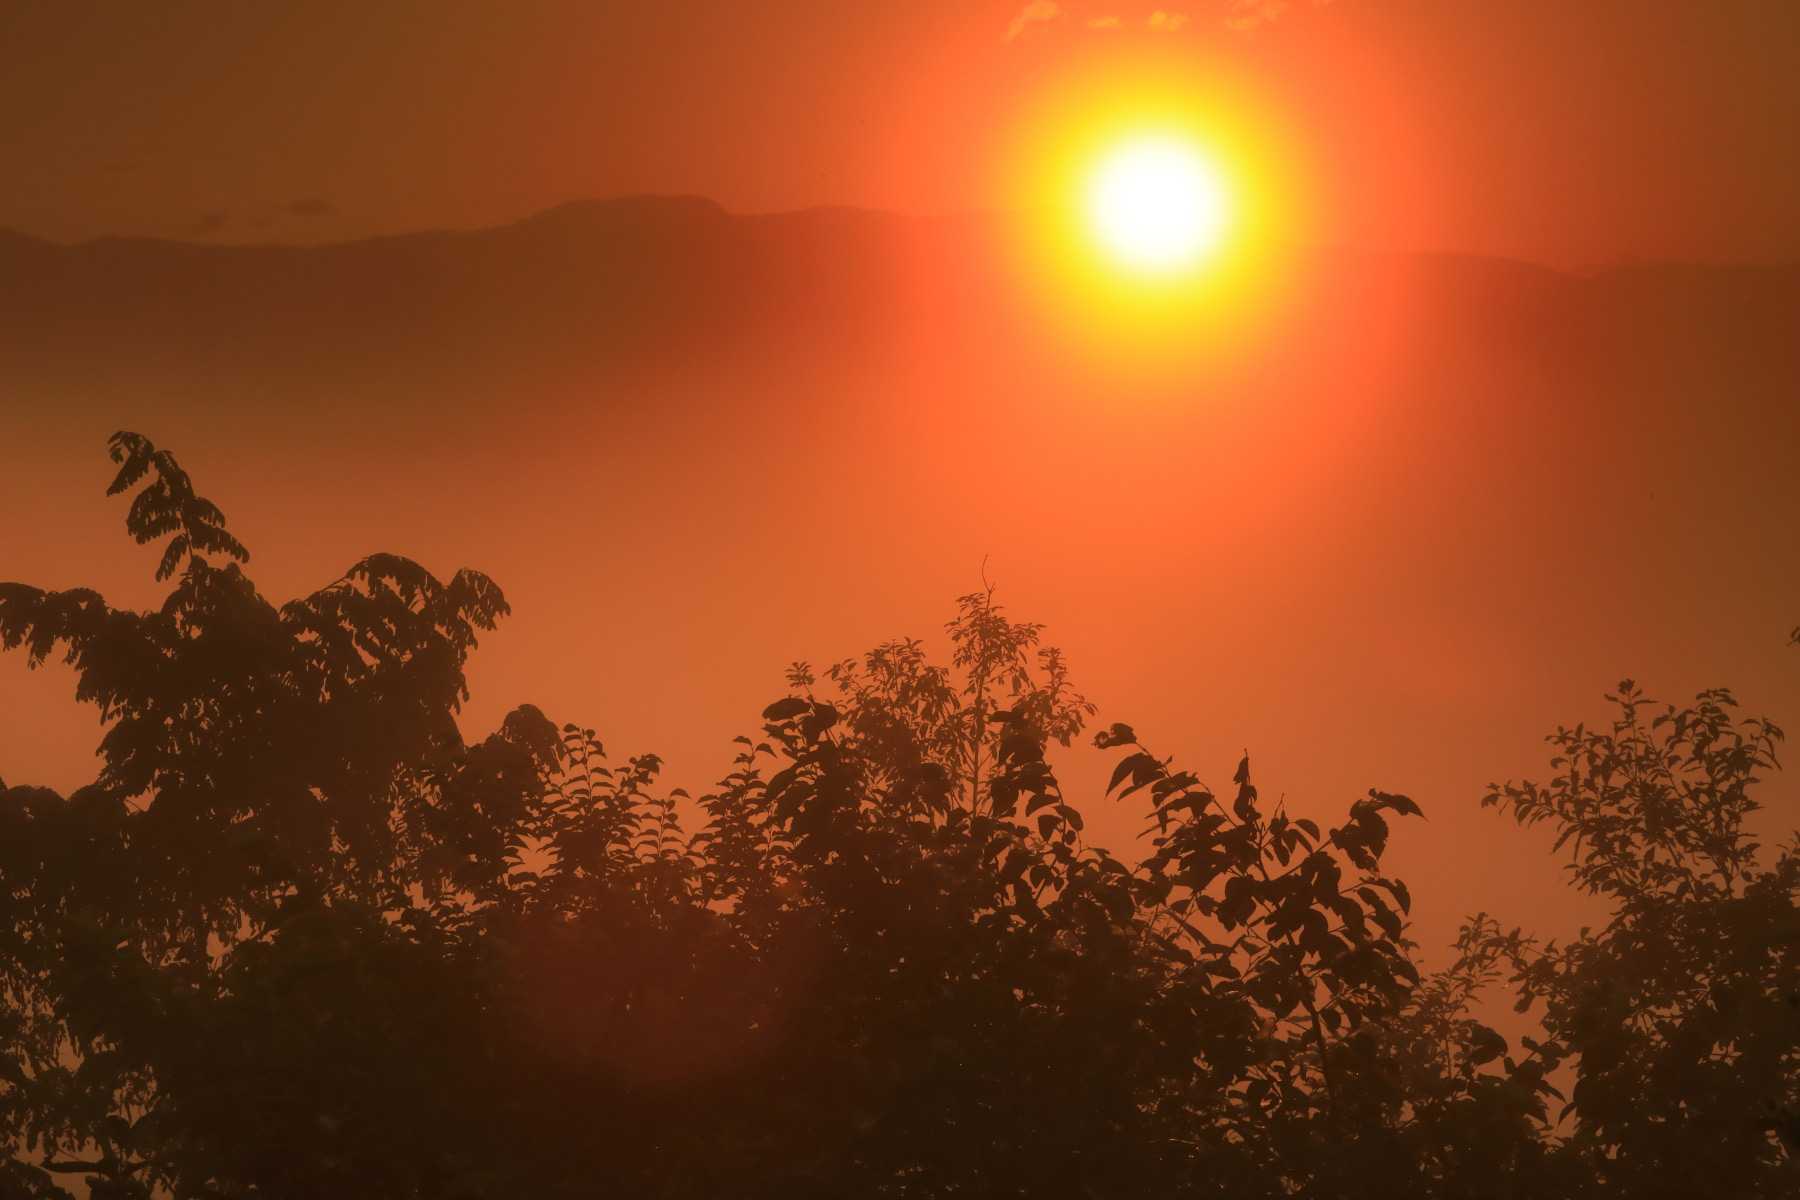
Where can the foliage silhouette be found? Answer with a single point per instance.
(301, 938)
(1684, 1011)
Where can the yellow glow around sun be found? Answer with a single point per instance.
(1154, 203)
(1157, 204)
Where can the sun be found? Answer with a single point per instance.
(1152, 206)
(1156, 204)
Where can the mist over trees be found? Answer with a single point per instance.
(302, 938)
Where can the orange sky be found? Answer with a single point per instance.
(1443, 509)
(1569, 131)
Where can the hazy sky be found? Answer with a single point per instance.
(1569, 131)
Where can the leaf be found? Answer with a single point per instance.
(1142, 768)
(1381, 913)
(1239, 902)
(1245, 805)
(1485, 1045)
(1403, 805)
(785, 710)
(1118, 735)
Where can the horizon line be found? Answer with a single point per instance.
(1595, 267)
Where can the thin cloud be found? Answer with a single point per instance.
(1234, 16)
(1037, 12)
(1248, 16)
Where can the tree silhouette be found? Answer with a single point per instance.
(301, 938)
(1684, 1011)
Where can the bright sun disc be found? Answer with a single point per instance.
(1151, 205)
(1156, 204)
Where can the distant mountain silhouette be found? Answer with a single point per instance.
(652, 270)
(591, 289)
(615, 272)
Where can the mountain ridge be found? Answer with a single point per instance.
(673, 211)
